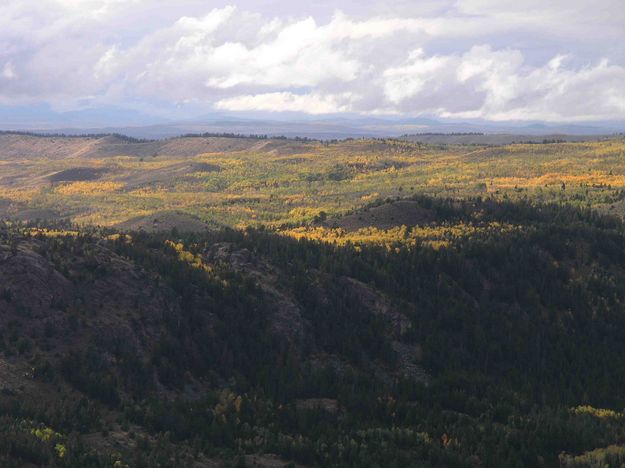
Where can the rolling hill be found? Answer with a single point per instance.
(222, 301)
(234, 181)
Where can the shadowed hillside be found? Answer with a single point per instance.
(228, 345)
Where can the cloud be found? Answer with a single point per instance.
(289, 102)
(497, 85)
(486, 59)
(8, 72)
(411, 78)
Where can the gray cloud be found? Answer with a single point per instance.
(499, 60)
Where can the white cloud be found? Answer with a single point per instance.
(289, 102)
(8, 72)
(504, 59)
(550, 92)
(411, 78)
(497, 84)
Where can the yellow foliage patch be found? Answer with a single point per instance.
(436, 236)
(596, 412)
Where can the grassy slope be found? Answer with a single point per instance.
(239, 182)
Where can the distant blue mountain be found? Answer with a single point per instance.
(142, 125)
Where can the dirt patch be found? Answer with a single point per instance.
(78, 174)
(205, 167)
(33, 214)
(386, 216)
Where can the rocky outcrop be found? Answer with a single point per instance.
(285, 319)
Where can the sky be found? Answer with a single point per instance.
(496, 60)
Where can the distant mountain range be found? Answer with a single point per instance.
(138, 125)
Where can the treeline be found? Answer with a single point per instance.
(409, 135)
(122, 137)
(247, 136)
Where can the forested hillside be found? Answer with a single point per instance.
(491, 347)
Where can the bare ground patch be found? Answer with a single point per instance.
(386, 216)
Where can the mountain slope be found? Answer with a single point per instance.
(203, 348)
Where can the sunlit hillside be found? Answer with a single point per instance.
(247, 181)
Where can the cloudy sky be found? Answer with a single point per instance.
(500, 60)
